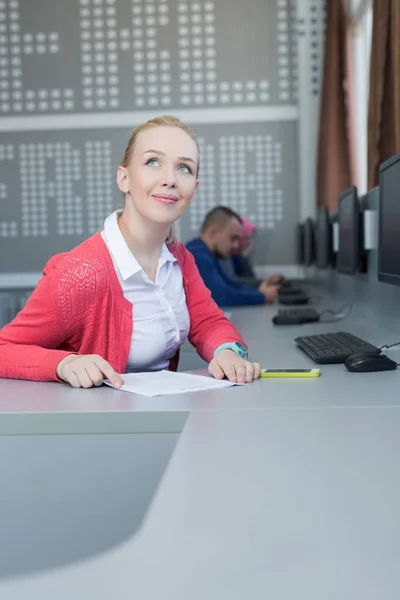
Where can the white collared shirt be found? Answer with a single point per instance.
(159, 312)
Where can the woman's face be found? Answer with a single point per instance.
(161, 178)
(247, 244)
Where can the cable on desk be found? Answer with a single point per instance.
(338, 315)
(386, 346)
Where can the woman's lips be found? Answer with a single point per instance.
(165, 198)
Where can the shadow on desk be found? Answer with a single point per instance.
(67, 498)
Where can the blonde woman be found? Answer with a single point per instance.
(128, 297)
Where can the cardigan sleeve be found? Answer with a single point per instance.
(28, 344)
(209, 328)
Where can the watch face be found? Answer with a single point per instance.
(241, 349)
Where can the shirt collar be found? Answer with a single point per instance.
(122, 255)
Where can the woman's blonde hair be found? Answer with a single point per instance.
(164, 121)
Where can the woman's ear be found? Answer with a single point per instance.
(122, 179)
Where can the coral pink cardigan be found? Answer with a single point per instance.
(78, 306)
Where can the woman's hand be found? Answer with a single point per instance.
(87, 371)
(232, 366)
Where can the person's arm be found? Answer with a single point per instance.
(249, 281)
(224, 290)
(28, 345)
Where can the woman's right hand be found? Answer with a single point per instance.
(87, 371)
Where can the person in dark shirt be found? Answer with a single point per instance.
(219, 238)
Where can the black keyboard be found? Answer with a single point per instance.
(296, 316)
(331, 348)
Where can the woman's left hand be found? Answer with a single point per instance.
(232, 366)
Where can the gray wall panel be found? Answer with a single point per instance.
(84, 57)
(60, 185)
(96, 55)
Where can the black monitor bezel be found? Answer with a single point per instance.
(309, 224)
(385, 277)
(326, 253)
(356, 246)
(300, 243)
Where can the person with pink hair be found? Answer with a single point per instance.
(242, 268)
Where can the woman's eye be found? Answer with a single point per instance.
(151, 162)
(185, 169)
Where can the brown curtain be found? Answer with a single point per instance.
(384, 82)
(335, 170)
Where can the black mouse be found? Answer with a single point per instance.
(368, 362)
(285, 319)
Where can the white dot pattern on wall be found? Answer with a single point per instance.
(33, 191)
(196, 42)
(205, 195)
(294, 50)
(7, 228)
(287, 50)
(197, 56)
(317, 19)
(151, 64)
(248, 167)
(37, 161)
(100, 42)
(13, 47)
(99, 175)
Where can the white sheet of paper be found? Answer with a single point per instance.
(160, 383)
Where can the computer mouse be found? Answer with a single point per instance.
(285, 319)
(368, 362)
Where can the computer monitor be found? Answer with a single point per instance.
(334, 216)
(300, 243)
(370, 201)
(389, 221)
(349, 232)
(309, 242)
(323, 239)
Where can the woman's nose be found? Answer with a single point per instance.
(169, 177)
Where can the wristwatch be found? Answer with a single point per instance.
(235, 346)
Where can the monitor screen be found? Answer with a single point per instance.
(309, 242)
(349, 232)
(389, 221)
(323, 239)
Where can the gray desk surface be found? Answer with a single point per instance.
(279, 504)
(283, 488)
